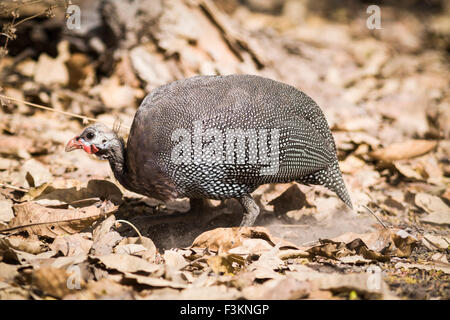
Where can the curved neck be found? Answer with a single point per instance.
(118, 161)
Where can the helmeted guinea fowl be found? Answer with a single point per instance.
(219, 137)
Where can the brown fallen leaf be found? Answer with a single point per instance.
(53, 281)
(72, 245)
(129, 248)
(251, 246)
(102, 289)
(440, 258)
(405, 168)
(444, 267)
(380, 245)
(22, 257)
(404, 150)
(63, 262)
(35, 173)
(6, 212)
(433, 242)
(220, 265)
(8, 271)
(268, 265)
(330, 249)
(13, 292)
(214, 292)
(147, 243)
(128, 264)
(377, 240)
(356, 259)
(278, 289)
(367, 285)
(292, 254)
(74, 192)
(113, 94)
(175, 259)
(224, 239)
(50, 70)
(36, 219)
(15, 146)
(104, 238)
(154, 282)
(438, 211)
(291, 199)
(26, 245)
(404, 244)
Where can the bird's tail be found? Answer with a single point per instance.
(336, 183)
(332, 179)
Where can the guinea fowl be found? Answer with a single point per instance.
(219, 137)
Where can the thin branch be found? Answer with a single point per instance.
(24, 4)
(132, 225)
(379, 220)
(54, 110)
(6, 185)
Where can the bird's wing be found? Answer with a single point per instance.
(301, 151)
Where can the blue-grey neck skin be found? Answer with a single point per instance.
(116, 156)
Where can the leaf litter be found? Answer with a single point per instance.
(59, 236)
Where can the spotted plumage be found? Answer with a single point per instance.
(221, 137)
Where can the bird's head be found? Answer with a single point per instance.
(96, 139)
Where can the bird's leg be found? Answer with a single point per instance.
(251, 210)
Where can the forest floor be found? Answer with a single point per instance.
(384, 92)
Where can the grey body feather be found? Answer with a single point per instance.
(307, 151)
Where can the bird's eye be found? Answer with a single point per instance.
(90, 135)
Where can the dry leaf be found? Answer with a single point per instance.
(220, 265)
(361, 283)
(15, 146)
(433, 242)
(405, 168)
(26, 245)
(149, 252)
(127, 264)
(8, 271)
(22, 257)
(356, 259)
(6, 212)
(224, 239)
(291, 199)
(35, 173)
(404, 150)
(278, 289)
(264, 267)
(50, 70)
(114, 95)
(72, 245)
(36, 219)
(73, 192)
(129, 248)
(174, 259)
(445, 267)
(155, 282)
(102, 289)
(104, 238)
(53, 281)
(379, 245)
(439, 212)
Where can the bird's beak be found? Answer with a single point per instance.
(74, 144)
(77, 143)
